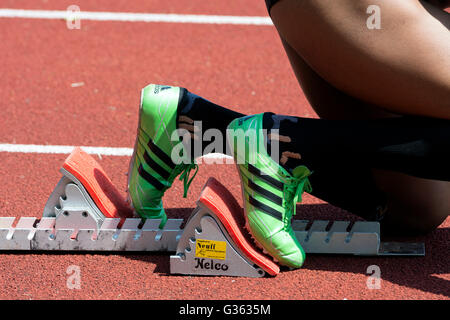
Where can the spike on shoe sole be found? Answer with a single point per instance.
(258, 244)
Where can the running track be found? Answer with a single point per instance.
(81, 87)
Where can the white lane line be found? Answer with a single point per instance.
(35, 148)
(104, 151)
(136, 17)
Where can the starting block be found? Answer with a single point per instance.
(85, 212)
(213, 243)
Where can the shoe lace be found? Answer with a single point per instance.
(292, 194)
(185, 170)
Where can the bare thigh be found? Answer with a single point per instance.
(404, 67)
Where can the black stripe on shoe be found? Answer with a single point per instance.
(160, 154)
(155, 166)
(266, 193)
(150, 179)
(263, 207)
(274, 182)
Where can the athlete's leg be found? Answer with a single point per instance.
(379, 168)
(327, 101)
(404, 66)
(415, 204)
(342, 153)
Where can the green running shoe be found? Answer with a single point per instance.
(270, 193)
(152, 167)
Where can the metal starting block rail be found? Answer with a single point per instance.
(85, 212)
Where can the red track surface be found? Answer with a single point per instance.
(242, 67)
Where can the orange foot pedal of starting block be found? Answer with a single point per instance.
(85, 195)
(99, 186)
(214, 241)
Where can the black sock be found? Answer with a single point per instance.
(416, 146)
(341, 150)
(193, 108)
(413, 145)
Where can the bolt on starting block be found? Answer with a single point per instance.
(85, 212)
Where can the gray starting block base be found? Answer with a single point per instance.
(32, 234)
(204, 227)
(72, 205)
(363, 238)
